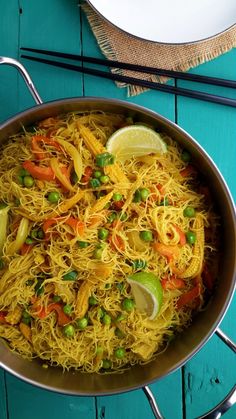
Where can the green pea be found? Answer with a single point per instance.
(119, 353)
(23, 172)
(117, 197)
(124, 216)
(99, 350)
(119, 333)
(112, 217)
(139, 264)
(26, 317)
(20, 180)
(137, 196)
(53, 197)
(17, 202)
(191, 237)
(34, 234)
(70, 276)
(94, 183)
(97, 174)
(3, 205)
(103, 233)
(189, 212)
(120, 286)
(101, 312)
(68, 330)
(28, 181)
(128, 304)
(106, 319)
(67, 309)
(106, 364)
(121, 317)
(56, 298)
(104, 179)
(186, 156)
(39, 288)
(82, 245)
(144, 193)
(74, 178)
(2, 264)
(82, 323)
(146, 235)
(28, 240)
(40, 234)
(164, 202)
(93, 301)
(97, 254)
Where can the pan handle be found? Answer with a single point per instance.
(25, 75)
(218, 410)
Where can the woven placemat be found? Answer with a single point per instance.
(118, 45)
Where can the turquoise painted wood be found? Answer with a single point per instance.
(60, 25)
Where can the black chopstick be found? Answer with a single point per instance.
(138, 68)
(139, 82)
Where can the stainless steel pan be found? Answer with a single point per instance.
(203, 326)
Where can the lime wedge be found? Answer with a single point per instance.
(135, 141)
(147, 291)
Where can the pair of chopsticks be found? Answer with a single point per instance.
(136, 81)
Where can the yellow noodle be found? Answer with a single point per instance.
(30, 282)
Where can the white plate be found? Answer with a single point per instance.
(169, 21)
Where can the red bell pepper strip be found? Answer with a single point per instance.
(189, 171)
(25, 249)
(88, 171)
(41, 173)
(62, 318)
(189, 296)
(37, 150)
(172, 283)
(2, 316)
(169, 251)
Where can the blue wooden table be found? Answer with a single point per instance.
(60, 25)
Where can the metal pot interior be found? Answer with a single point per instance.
(203, 325)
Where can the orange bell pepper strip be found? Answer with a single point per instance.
(41, 173)
(36, 148)
(76, 225)
(62, 318)
(182, 237)
(172, 283)
(116, 242)
(169, 251)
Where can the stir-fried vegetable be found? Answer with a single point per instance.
(3, 226)
(21, 236)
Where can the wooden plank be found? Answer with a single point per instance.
(27, 402)
(3, 396)
(133, 405)
(9, 27)
(56, 26)
(208, 377)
